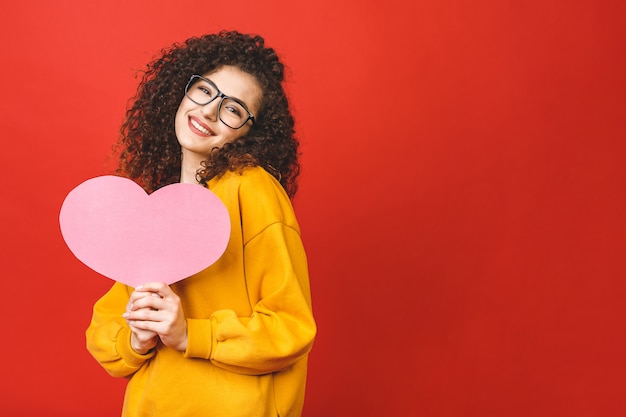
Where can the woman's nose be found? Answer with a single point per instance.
(210, 110)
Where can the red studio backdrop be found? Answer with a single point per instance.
(463, 196)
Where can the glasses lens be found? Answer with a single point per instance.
(233, 114)
(201, 91)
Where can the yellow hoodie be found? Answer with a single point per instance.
(249, 321)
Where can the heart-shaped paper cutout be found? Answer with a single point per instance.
(119, 231)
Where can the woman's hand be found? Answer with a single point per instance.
(140, 340)
(155, 310)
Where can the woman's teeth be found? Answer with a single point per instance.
(200, 128)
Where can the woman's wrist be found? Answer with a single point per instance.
(139, 347)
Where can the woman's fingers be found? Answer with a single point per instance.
(155, 295)
(153, 302)
(145, 314)
(159, 288)
(154, 307)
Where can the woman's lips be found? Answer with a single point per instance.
(199, 127)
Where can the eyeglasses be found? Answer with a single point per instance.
(231, 111)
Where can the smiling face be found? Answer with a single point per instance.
(198, 127)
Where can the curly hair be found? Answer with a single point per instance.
(149, 152)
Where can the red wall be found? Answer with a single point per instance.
(462, 202)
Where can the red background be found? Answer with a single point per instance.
(462, 202)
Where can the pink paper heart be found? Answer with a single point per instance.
(119, 231)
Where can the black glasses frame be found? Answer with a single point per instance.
(194, 78)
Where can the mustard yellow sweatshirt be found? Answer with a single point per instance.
(249, 320)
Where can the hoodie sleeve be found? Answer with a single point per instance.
(108, 334)
(281, 329)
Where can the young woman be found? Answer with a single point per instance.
(232, 340)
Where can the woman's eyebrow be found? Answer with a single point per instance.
(237, 99)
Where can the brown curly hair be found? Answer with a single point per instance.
(149, 152)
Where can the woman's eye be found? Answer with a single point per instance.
(206, 91)
(234, 110)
